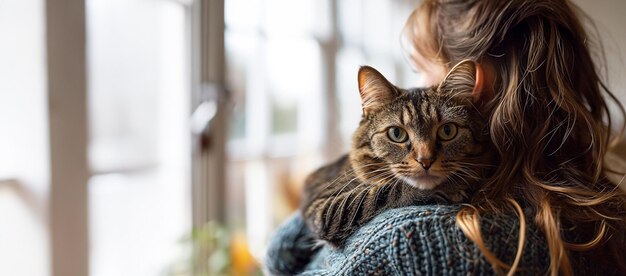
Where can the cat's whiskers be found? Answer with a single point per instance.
(339, 192)
(381, 178)
(468, 175)
(364, 191)
(370, 184)
(355, 178)
(452, 176)
(334, 194)
(367, 190)
(384, 187)
(465, 175)
(349, 172)
(343, 202)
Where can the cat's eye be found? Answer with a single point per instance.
(397, 134)
(447, 131)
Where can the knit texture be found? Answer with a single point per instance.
(415, 240)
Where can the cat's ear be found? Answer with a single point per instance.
(468, 78)
(376, 91)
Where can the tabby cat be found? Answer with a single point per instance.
(412, 146)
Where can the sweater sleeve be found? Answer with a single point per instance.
(424, 240)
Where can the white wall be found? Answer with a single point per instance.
(610, 18)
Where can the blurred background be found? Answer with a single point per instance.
(171, 137)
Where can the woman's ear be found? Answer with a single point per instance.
(375, 90)
(468, 78)
(485, 81)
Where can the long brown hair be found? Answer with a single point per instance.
(549, 121)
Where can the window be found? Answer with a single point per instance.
(139, 149)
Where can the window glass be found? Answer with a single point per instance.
(139, 196)
(24, 165)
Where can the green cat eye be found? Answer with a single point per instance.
(397, 134)
(447, 131)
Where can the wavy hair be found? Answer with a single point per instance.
(549, 121)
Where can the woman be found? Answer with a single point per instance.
(550, 122)
(551, 126)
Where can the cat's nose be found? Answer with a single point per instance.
(425, 162)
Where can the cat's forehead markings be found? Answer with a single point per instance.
(405, 117)
(425, 108)
(412, 110)
(434, 112)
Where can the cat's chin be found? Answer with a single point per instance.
(426, 182)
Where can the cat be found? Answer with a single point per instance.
(412, 146)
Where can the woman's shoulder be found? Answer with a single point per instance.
(425, 240)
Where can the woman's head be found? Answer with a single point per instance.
(549, 119)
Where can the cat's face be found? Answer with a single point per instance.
(422, 137)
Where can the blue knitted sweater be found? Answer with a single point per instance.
(416, 240)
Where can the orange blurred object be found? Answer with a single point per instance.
(242, 261)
